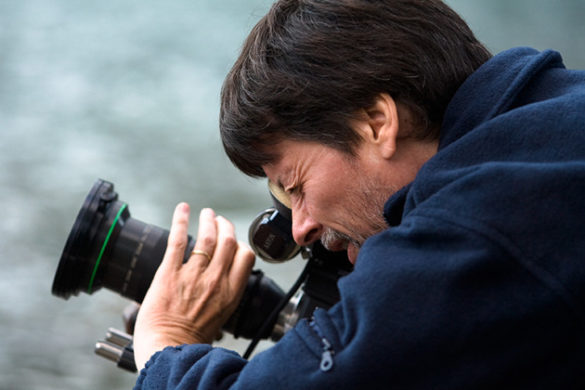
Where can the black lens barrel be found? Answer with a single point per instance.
(133, 260)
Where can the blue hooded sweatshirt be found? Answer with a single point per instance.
(480, 280)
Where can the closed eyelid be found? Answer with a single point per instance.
(294, 189)
(285, 188)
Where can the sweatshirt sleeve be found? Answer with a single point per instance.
(296, 361)
(180, 367)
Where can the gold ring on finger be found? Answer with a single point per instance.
(200, 252)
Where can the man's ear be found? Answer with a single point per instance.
(381, 125)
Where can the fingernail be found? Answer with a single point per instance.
(185, 207)
(208, 210)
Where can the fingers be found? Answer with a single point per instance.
(216, 248)
(226, 246)
(206, 239)
(177, 241)
(241, 266)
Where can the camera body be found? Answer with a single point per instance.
(108, 248)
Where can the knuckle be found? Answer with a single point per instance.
(177, 241)
(213, 284)
(249, 258)
(208, 241)
(250, 255)
(246, 253)
(229, 242)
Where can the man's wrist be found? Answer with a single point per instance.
(146, 347)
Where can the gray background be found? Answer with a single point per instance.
(128, 91)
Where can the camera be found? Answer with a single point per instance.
(108, 248)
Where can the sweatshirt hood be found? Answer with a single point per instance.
(503, 83)
(494, 89)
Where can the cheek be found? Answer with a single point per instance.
(330, 197)
(328, 205)
(319, 201)
(318, 206)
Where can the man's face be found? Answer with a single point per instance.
(338, 198)
(334, 197)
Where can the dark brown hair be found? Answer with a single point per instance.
(309, 66)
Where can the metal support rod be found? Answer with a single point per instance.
(118, 337)
(108, 350)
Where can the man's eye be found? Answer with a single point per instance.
(293, 190)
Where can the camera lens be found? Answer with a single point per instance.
(108, 248)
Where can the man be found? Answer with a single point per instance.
(455, 181)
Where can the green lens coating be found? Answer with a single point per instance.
(99, 259)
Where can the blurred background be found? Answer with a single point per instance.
(128, 91)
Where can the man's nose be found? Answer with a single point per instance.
(304, 228)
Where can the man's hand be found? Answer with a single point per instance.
(189, 303)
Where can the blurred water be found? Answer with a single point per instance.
(128, 91)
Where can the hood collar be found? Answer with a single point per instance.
(492, 89)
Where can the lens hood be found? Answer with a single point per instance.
(72, 273)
